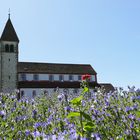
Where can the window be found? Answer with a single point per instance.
(45, 92)
(79, 77)
(22, 93)
(33, 93)
(65, 90)
(36, 77)
(70, 77)
(23, 77)
(75, 90)
(51, 78)
(61, 77)
(6, 48)
(11, 48)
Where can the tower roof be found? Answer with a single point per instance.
(9, 33)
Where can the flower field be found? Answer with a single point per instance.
(89, 115)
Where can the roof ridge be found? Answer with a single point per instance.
(53, 63)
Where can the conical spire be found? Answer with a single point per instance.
(9, 33)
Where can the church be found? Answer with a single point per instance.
(32, 78)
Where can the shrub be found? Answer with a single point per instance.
(87, 115)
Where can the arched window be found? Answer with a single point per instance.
(33, 93)
(36, 77)
(51, 77)
(6, 48)
(23, 77)
(22, 93)
(71, 77)
(61, 78)
(11, 48)
(79, 77)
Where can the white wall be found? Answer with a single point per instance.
(93, 78)
(29, 77)
(28, 92)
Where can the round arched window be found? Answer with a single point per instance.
(6, 48)
(12, 48)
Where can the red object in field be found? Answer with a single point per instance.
(86, 77)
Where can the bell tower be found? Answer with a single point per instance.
(8, 58)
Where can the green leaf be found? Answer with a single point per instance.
(86, 116)
(138, 114)
(89, 126)
(77, 101)
(73, 114)
(85, 90)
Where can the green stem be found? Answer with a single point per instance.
(81, 121)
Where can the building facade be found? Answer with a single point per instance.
(32, 77)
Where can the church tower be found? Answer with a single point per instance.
(8, 58)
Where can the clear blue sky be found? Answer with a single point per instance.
(103, 33)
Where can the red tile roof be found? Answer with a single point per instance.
(55, 68)
(107, 87)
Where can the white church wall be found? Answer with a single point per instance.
(29, 77)
(66, 77)
(28, 92)
(75, 77)
(92, 77)
(56, 77)
(45, 77)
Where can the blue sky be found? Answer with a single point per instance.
(103, 33)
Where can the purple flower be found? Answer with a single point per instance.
(138, 97)
(134, 106)
(19, 132)
(67, 108)
(131, 124)
(96, 112)
(73, 136)
(138, 90)
(138, 119)
(127, 132)
(54, 137)
(107, 103)
(128, 109)
(34, 112)
(27, 132)
(108, 115)
(131, 116)
(60, 97)
(12, 127)
(2, 113)
(84, 138)
(39, 124)
(131, 89)
(96, 136)
(36, 134)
